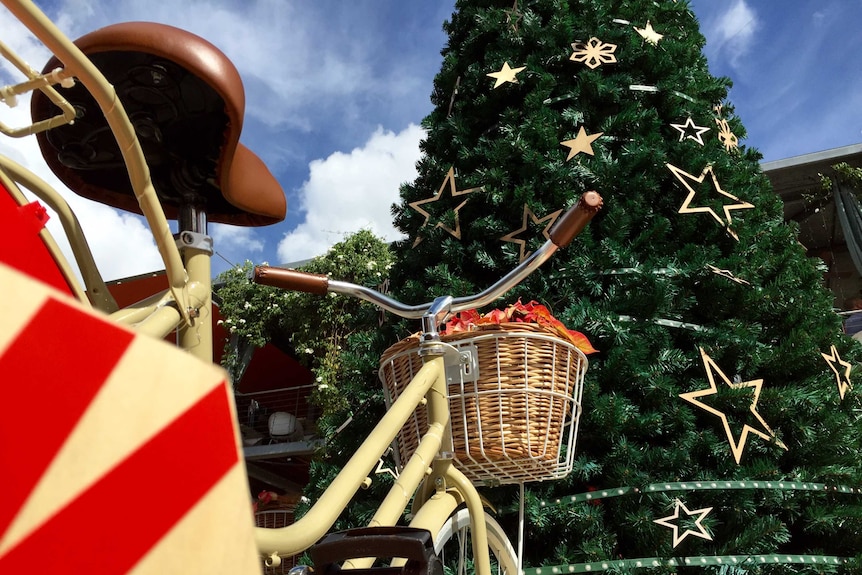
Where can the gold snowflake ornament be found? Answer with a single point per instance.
(593, 53)
(726, 136)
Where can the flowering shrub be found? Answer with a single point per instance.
(319, 329)
(532, 312)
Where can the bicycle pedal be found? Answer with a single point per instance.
(414, 545)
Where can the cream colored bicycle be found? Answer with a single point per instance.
(147, 119)
(502, 407)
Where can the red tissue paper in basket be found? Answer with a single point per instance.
(532, 312)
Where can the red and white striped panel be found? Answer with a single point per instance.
(117, 452)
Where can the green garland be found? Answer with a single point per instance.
(652, 562)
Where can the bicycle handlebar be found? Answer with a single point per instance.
(563, 232)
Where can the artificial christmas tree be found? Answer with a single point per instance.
(719, 429)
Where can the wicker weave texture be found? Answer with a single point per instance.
(515, 419)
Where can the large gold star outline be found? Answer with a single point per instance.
(450, 180)
(843, 379)
(736, 447)
(701, 530)
(528, 213)
(726, 136)
(685, 178)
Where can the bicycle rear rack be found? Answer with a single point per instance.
(414, 545)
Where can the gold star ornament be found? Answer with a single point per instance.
(648, 34)
(581, 143)
(690, 131)
(727, 274)
(687, 180)
(506, 74)
(448, 183)
(528, 214)
(841, 369)
(514, 17)
(671, 522)
(736, 446)
(593, 53)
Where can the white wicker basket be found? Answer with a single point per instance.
(515, 401)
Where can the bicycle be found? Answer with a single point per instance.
(107, 138)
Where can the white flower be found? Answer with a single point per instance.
(308, 350)
(241, 320)
(219, 322)
(371, 265)
(247, 305)
(322, 386)
(319, 378)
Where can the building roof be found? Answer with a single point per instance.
(796, 180)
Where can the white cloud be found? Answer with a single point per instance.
(293, 58)
(348, 192)
(235, 238)
(732, 32)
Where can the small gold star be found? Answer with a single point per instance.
(685, 179)
(514, 17)
(669, 522)
(450, 180)
(506, 74)
(581, 143)
(551, 218)
(736, 447)
(843, 379)
(690, 131)
(648, 34)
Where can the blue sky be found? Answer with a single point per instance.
(336, 90)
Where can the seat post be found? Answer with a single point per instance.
(196, 249)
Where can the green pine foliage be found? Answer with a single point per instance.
(637, 282)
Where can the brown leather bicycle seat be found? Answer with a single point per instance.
(186, 102)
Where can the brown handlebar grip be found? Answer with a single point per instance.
(291, 280)
(576, 219)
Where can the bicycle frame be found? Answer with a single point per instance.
(429, 478)
(186, 304)
(446, 487)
